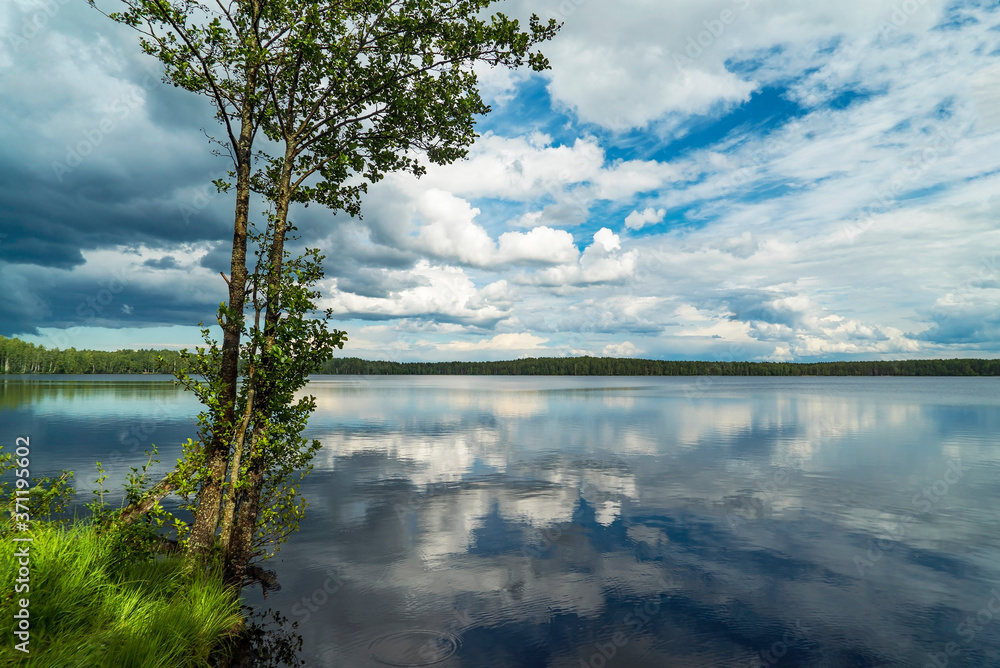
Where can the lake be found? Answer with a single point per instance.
(589, 522)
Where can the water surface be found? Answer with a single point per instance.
(566, 522)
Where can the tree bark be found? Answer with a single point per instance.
(237, 559)
(136, 510)
(240, 546)
(206, 520)
(229, 514)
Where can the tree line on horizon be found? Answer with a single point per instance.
(611, 366)
(20, 357)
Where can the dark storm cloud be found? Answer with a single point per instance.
(218, 259)
(129, 306)
(165, 262)
(50, 227)
(369, 282)
(68, 303)
(49, 223)
(99, 154)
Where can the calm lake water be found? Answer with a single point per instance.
(591, 522)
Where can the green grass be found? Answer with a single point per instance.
(96, 602)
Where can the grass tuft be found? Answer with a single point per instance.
(96, 601)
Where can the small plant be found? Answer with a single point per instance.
(46, 497)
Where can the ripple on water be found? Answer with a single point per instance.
(418, 647)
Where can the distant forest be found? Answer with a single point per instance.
(19, 357)
(610, 366)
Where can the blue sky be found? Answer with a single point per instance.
(721, 179)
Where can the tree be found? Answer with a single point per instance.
(361, 88)
(347, 91)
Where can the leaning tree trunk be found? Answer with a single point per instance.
(239, 541)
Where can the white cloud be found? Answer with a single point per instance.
(607, 240)
(531, 168)
(541, 244)
(449, 231)
(498, 85)
(624, 349)
(625, 64)
(626, 178)
(522, 341)
(651, 216)
(441, 292)
(986, 97)
(601, 262)
(515, 168)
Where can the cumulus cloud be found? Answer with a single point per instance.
(449, 231)
(638, 220)
(541, 244)
(601, 262)
(445, 293)
(955, 319)
(623, 349)
(515, 168)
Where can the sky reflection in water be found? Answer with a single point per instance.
(567, 522)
